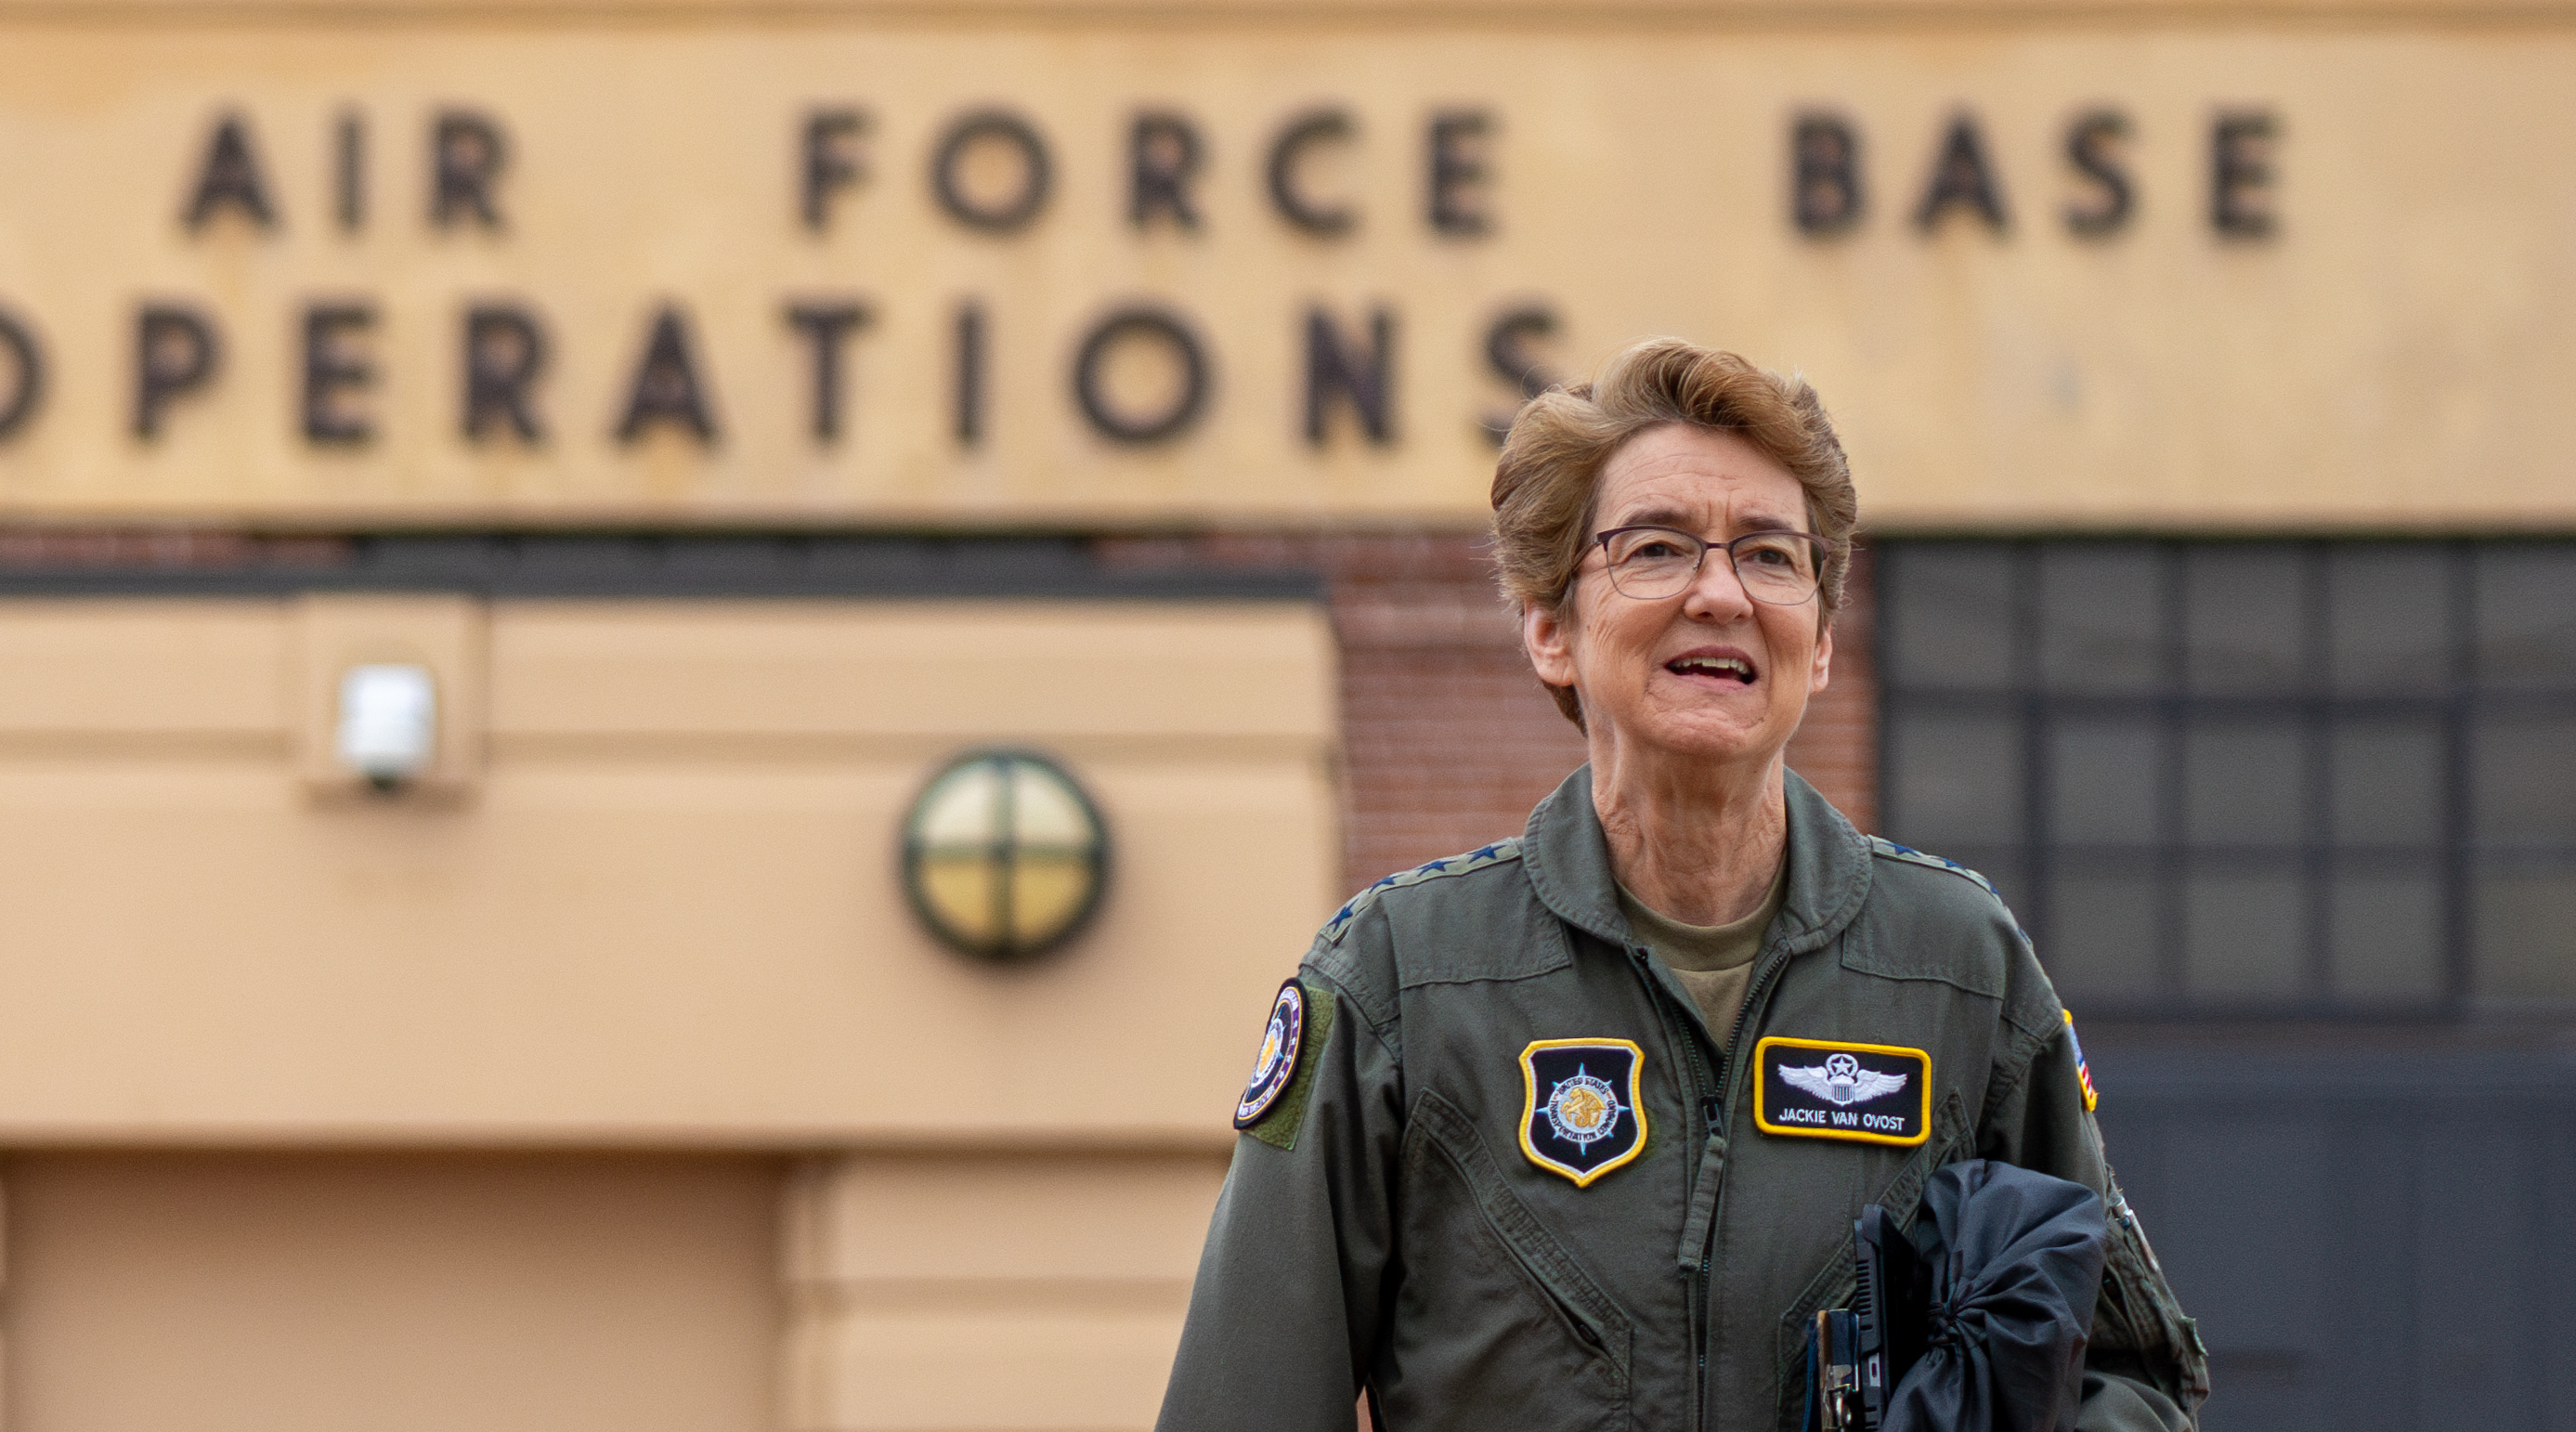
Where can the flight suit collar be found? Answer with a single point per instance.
(1567, 860)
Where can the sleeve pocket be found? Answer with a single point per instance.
(2139, 1321)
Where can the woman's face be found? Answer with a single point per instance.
(1707, 672)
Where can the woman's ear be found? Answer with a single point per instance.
(1824, 670)
(1547, 634)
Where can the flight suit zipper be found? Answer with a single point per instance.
(1715, 1135)
(1682, 1028)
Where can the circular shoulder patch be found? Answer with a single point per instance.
(1278, 1062)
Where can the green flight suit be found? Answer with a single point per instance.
(1385, 1224)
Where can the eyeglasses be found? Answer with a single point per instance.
(1781, 568)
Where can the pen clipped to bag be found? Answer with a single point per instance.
(1859, 1353)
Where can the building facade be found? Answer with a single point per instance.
(675, 674)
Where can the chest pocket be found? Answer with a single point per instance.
(1493, 1312)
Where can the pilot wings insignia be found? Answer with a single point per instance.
(1841, 1081)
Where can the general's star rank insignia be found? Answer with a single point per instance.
(1580, 1115)
(1835, 1089)
(1277, 1064)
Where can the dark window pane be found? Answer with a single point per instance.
(1954, 780)
(1949, 616)
(2388, 618)
(2523, 780)
(2387, 933)
(2241, 782)
(2241, 788)
(2389, 775)
(2245, 625)
(2106, 777)
(2527, 616)
(2103, 933)
(2526, 934)
(2244, 935)
(2101, 618)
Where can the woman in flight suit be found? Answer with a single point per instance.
(1570, 1131)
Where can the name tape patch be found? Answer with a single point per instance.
(1836, 1089)
(1277, 1063)
(1580, 1116)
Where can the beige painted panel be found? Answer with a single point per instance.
(674, 944)
(405, 1294)
(1076, 1367)
(2397, 355)
(127, 668)
(994, 1291)
(1464, 14)
(954, 672)
(1003, 1217)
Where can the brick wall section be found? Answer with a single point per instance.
(1447, 738)
(1836, 747)
(163, 549)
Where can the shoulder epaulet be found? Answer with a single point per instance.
(1474, 860)
(1893, 851)
(1881, 846)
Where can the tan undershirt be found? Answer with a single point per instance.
(1714, 962)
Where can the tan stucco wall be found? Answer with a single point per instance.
(982, 1291)
(661, 906)
(243, 1293)
(550, 1292)
(645, 909)
(2392, 355)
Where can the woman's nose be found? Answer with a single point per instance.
(1715, 590)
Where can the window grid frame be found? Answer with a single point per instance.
(2316, 710)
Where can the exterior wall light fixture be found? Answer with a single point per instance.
(1004, 855)
(388, 731)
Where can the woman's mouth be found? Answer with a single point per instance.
(1715, 668)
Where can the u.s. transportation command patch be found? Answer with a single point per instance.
(2083, 1071)
(1835, 1089)
(1278, 1062)
(1580, 1116)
